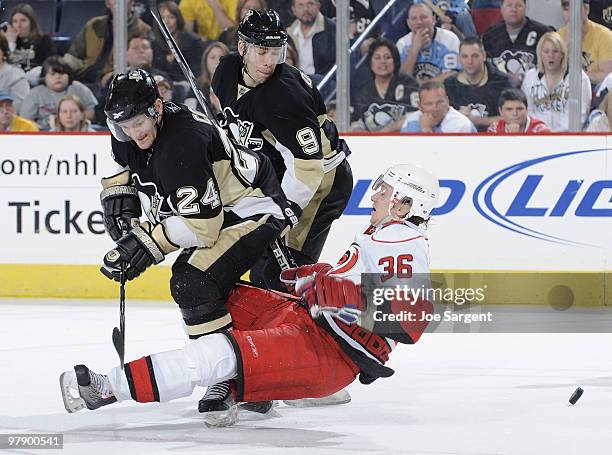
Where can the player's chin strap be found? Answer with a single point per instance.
(245, 70)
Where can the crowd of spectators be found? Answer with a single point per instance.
(426, 66)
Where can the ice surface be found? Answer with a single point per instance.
(454, 393)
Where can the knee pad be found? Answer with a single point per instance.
(200, 300)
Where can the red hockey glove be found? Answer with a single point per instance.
(290, 276)
(333, 295)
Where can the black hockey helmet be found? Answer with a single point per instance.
(130, 94)
(263, 28)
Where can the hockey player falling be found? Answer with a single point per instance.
(284, 347)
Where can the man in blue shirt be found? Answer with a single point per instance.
(435, 115)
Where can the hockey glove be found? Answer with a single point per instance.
(137, 250)
(121, 205)
(293, 213)
(290, 276)
(332, 295)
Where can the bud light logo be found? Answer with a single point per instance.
(533, 198)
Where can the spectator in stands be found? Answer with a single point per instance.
(427, 52)
(596, 44)
(547, 86)
(211, 16)
(229, 37)
(601, 12)
(190, 44)
(210, 61)
(57, 82)
(511, 43)
(361, 13)
(513, 115)
(600, 120)
(70, 116)
(331, 110)
(292, 57)
(314, 36)
(602, 90)
(475, 90)
(28, 43)
(90, 54)
(485, 13)
(283, 8)
(12, 78)
(380, 103)
(435, 115)
(165, 88)
(454, 15)
(8, 120)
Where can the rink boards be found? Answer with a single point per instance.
(512, 203)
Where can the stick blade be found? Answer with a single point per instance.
(119, 344)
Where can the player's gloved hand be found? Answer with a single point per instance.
(293, 213)
(332, 295)
(137, 250)
(290, 276)
(120, 204)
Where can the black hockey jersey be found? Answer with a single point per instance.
(286, 119)
(516, 56)
(482, 99)
(375, 112)
(195, 181)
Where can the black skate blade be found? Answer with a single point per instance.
(119, 345)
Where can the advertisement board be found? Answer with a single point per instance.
(508, 203)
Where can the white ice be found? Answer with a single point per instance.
(454, 393)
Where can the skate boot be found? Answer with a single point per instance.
(260, 407)
(85, 389)
(218, 406)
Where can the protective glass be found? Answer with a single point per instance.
(263, 54)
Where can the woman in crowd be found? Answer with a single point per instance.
(28, 44)
(190, 45)
(381, 102)
(57, 82)
(601, 118)
(513, 115)
(70, 115)
(229, 36)
(210, 61)
(547, 86)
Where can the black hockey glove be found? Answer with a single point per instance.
(121, 205)
(137, 250)
(293, 213)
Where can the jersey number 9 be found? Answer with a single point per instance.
(308, 140)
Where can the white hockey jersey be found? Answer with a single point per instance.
(392, 250)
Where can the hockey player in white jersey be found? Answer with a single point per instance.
(324, 320)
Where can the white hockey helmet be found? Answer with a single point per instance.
(414, 182)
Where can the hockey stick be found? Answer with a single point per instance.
(119, 333)
(282, 255)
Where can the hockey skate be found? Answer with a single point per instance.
(83, 388)
(218, 406)
(340, 397)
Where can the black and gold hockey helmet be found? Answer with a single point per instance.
(263, 28)
(130, 94)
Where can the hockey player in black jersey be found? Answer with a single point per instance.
(273, 107)
(218, 202)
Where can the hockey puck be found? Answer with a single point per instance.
(576, 395)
